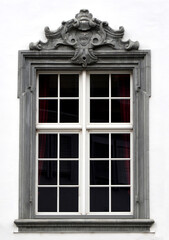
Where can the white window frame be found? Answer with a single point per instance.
(84, 128)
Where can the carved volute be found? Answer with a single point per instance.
(84, 34)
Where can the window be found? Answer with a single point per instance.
(84, 168)
(84, 136)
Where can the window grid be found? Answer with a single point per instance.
(110, 185)
(110, 98)
(109, 159)
(58, 185)
(58, 98)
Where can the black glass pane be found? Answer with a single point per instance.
(99, 111)
(120, 85)
(99, 145)
(47, 145)
(99, 85)
(48, 111)
(99, 199)
(120, 172)
(120, 145)
(120, 110)
(69, 144)
(68, 172)
(48, 85)
(47, 199)
(120, 199)
(69, 111)
(69, 85)
(47, 172)
(99, 172)
(68, 199)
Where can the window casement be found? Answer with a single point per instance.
(84, 132)
(82, 156)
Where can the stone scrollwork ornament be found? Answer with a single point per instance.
(84, 34)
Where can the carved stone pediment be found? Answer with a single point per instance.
(84, 34)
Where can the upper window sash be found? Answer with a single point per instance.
(115, 104)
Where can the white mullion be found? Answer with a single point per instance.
(58, 98)
(88, 174)
(69, 98)
(120, 159)
(109, 144)
(97, 186)
(83, 165)
(58, 165)
(109, 172)
(37, 100)
(99, 98)
(109, 98)
(99, 159)
(36, 177)
(131, 172)
(118, 98)
(56, 185)
(131, 99)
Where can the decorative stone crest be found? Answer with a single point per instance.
(84, 34)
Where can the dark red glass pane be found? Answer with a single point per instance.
(120, 145)
(48, 111)
(47, 199)
(120, 85)
(48, 85)
(99, 145)
(99, 111)
(68, 199)
(99, 85)
(69, 145)
(120, 199)
(47, 172)
(99, 199)
(47, 146)
(99, 172)
(120, 172)
(120, 110)
(69, 85)
(69, 111)
(68, 172)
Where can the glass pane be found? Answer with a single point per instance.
(120, 110)
(48, 85)
(68, 199)
(99, 145)
(99, 110)
(120, 145)
(99, 172)
(48, 111)
(69, 111)
(99, 85)
(120, 85)
(69, 85)
(120, 199)
(69, 172)
(99, 199)
(69, 144)
(47, 199)
(47, 145)
(47, 172)
(120, 172)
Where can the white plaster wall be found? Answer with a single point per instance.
(23, 21)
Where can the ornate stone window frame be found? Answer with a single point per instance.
(81, 44)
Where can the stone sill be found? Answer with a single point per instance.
(83, 225)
